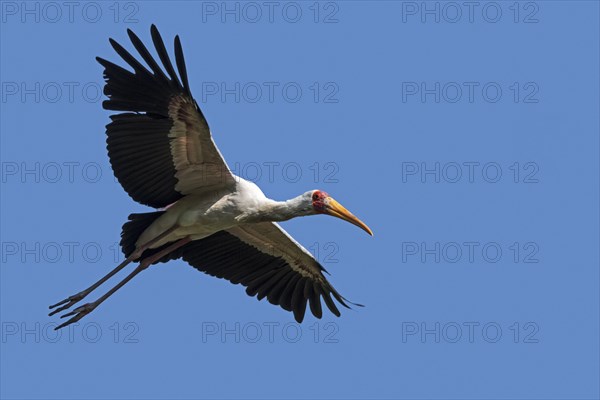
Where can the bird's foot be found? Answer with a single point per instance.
(77, 313)
(70, 301)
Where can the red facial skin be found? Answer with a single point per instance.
(318, 200)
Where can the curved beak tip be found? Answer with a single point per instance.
(366, 229)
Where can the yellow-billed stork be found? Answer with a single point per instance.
(161, 150)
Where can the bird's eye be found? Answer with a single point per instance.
(315, 196)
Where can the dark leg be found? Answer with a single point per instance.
(85, 309)
(136, 254)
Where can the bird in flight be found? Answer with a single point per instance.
(161, 151)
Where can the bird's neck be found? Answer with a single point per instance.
(272, 210)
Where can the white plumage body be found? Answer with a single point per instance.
(201, 215)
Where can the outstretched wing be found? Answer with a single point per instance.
(270, 263)
(160, 147)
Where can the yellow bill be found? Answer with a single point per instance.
(332, 207)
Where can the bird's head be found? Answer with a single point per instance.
(322, 203)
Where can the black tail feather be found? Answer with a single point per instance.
(134, 227)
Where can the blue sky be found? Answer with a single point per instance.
(466, 137)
